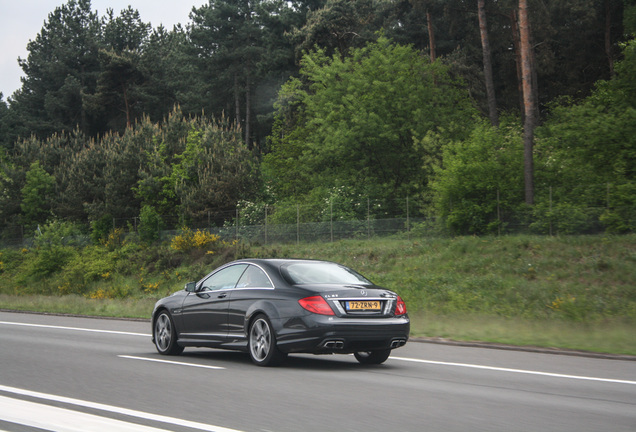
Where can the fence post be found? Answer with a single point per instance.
(331, 218)
(408, 226)
(297, 224)
(368, 218)
(498, 214)
(236, 231)
(550, 211)
(266, 225)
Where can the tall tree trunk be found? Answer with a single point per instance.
(514, 27)
(485, 44)
(528, 100)
(431, 36)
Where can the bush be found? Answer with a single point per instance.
(58, 233)
(481, 177)
(101, 228)
(150, 225)
(55, 245)
(562, 218)
(92, 264)
(619, 219)
(198, 239)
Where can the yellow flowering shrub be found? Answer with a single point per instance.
(115, 239)
(198, 239)
(100, 294)
(150, 288)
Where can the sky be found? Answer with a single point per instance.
(22, 20)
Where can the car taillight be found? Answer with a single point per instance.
(400, 307)
(316, 304)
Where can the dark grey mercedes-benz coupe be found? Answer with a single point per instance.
(273, 307)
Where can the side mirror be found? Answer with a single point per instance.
(191, 286)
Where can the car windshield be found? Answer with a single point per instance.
(321, 273)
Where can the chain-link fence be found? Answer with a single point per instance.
(366, 218)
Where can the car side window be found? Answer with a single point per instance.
(254, 277)
(224, 279)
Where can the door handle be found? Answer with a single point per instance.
(222, 295)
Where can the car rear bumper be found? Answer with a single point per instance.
(327, 334)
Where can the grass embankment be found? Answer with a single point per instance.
(570, 292)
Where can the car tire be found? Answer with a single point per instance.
(262, 343)
(165, 335)
(372, 357)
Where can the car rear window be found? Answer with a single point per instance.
(321, 273)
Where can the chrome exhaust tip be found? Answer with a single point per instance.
(333, 344)
(396, 343)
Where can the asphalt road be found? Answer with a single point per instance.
(81, 374)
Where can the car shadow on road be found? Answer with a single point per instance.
(329, 363)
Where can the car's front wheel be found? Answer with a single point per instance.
(372, 357)
(165, 335)
(262, 343)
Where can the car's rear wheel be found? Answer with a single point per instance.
(372, 357)
(165, 335)
(262, 343)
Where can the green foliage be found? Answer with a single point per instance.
(338, 26)
(622, 86)
(196, 165)
(100, 229)
(116, 93)
(367, 115)
(480, 179)
(56, 243)
(587, 150)
(61, 66)
(620, 216)
(321, 204)
(55, 233)
(49, 261)
(92, 264)
(629, 18)
(6, 189)
(150, 225)
(562, 218)
(37, 195)
(352, 122)
(184, 168)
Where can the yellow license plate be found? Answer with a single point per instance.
(363, 305)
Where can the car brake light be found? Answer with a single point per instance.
(400, 307)
(316, 304)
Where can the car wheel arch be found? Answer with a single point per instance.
(260, 308)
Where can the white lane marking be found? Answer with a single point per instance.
(48, 417)
(520, 371)
(116, 410)
(75, 329)
(170, 362)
